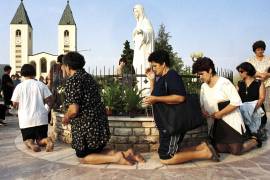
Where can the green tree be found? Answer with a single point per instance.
(162, 42)
(128, 54)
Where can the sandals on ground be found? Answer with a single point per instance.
(259, 145)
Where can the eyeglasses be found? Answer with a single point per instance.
(241, 71)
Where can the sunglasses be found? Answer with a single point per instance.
(241, 71)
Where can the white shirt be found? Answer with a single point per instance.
(261, 66)
(30, 95)
(222, 91)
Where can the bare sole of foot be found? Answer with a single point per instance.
(130, 154)
(32, 146)
(122, 160)
(50, 145)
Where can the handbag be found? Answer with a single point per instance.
(222, 105)
(179, 118)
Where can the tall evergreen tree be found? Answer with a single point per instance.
(162, 43)
(128, 54)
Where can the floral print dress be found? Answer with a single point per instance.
(90, 127)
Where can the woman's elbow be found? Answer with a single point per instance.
(180, 99)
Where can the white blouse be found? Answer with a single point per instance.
(261, 66)
(222, 91)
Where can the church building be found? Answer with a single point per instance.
(21, 41)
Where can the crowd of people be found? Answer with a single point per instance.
(236, 115)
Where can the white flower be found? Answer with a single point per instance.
(195, 55)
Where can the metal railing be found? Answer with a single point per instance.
(191, 81)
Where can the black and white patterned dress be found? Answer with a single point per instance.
(90, 128)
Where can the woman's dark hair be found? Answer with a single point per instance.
(160, 57)
(7, 68)
(28, 70)
(247, 67)
(203, 64)
(60, 58)
(74, 60)
(122, 59)
(258, 44)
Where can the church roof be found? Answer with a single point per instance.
(21, 16)
(67, 17)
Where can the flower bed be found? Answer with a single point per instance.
(139, 133)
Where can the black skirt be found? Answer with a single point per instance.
(225, 134)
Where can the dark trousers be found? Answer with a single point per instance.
(2, 111)
(7, 98)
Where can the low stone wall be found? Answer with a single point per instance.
(139, 133)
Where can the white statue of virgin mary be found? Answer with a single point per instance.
(143, 38)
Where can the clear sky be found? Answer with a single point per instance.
(223, 29)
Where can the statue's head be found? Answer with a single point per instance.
(138, 11)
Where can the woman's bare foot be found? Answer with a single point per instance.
(31, 145)
(122, 160)
(50, 145)
(130, 154)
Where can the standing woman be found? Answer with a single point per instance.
(227, 123)
(87, 116)
(261, 62)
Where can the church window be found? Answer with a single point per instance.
(43, 65)
(18, 33)
(66, 33)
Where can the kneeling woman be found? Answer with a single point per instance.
(225, 121)
(87, 116)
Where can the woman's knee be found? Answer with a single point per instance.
(165, 161)
(236, 149)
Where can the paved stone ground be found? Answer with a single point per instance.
(16, 162)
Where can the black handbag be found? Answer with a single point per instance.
(179, 118)
(222, 105)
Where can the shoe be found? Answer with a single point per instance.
(215, 155)
(262, 134)
(3, 123)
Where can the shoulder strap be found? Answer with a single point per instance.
(166, 86)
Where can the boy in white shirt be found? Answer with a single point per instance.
(30, 98)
